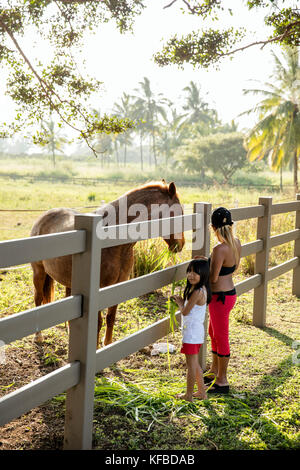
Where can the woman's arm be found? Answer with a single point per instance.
(198, 296)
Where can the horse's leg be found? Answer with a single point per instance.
(110, 321)
(39, 278)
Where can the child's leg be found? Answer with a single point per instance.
(201, 393)
(190, 376)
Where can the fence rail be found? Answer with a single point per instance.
(81, 309)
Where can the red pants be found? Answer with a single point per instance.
(219, 323)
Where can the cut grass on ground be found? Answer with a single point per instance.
(138, 393)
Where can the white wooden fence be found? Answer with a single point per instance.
(81, 308)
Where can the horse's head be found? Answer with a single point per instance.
(174, 241)
(151, 201)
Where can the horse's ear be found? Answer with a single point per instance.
(172, 189)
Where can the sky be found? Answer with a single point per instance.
(121, 61)
(125, 59)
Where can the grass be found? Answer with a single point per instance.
(138, 393)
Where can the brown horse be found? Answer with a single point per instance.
(116, 262)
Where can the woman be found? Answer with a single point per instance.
(224, 262)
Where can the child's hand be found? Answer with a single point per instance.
(177, 299)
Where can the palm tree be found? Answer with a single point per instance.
(53, 141)
(171, 133)
(153, 106)
(140, 117)
(277, 132)
(198, 111)
(103, 145)
(124, 109)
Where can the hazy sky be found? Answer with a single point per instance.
(124, 60)
(121, 61)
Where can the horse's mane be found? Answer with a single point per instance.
(160, 185)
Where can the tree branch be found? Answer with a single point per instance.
(170, 4)
(264, 43)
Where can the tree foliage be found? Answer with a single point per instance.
(277, 132)
(221, 153)
(54, 84)
(208, 46)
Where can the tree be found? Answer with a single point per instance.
(153, 106)
(171, 133)
(124, 109)
(53, 142)
(54, 85)
(277, 132)
(206, 47)
(198, 110)
(103, 146)
(221, 153)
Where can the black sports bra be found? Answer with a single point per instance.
(225, 269)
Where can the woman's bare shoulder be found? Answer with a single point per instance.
(220, 248)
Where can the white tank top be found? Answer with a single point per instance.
(193, 325)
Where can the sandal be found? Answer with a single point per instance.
(208, 379)
(222, 389)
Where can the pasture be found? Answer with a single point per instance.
(138, 392)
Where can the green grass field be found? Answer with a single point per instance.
(138, 393)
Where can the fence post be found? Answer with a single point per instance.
(262, 263)
(296, 271)
(83, 338)
(205, 209)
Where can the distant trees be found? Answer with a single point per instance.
(222, 153)
(51, 140)
(277, 132)
(165, 127)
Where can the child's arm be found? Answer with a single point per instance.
(196, 297)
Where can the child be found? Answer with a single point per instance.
(196, 296)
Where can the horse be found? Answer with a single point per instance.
(116, 261)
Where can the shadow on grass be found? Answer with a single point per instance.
(278, 335)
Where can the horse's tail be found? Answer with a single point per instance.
(48, 290)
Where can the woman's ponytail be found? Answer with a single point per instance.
(225, 235)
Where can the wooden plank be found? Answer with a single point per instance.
(248, 284)
(118, 350)
(27, 250)
(296, 271)
(201, 247)
(283, 268)
(115, 235)
(117, 293)
(285, 237)
(285, 207)
(262, 262)
(83, 337)
(36, 319)
(252, 248)
(36, 393)
(243, 213)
